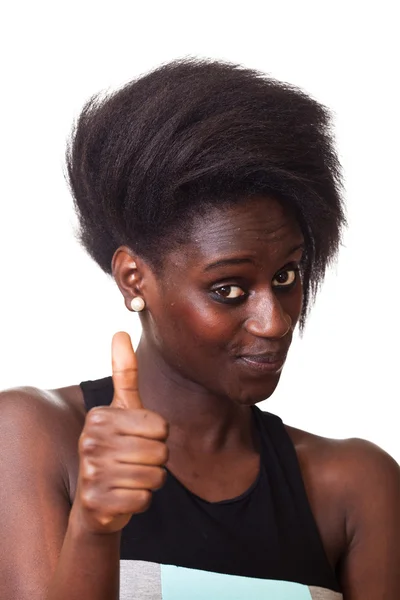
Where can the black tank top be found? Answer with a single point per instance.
(263, 544)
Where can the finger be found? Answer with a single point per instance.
(122, 475)
(131, 450)
(136, 477)
(144, 452)
(126, 502)
(118, 502)
(124, 373)
(104, 422)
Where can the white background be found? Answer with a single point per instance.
(59, 311)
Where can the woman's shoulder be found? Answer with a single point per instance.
(334, 458)
(337, 461)
(347, 469)
(354, 490)
(34, 403)
(353, 486)
(42, 425)
(56, 415)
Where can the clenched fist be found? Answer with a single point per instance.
(122, 451)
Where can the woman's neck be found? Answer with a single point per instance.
(197, 418)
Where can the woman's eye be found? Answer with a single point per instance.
(285, 278)
(229, 292)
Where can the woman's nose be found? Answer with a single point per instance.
(267, 317)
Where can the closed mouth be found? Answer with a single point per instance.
(270, 358)
(262, 363)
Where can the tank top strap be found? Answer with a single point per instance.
(97, 393)
(280, 461)
(279, 455)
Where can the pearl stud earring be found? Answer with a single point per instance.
(138, 304)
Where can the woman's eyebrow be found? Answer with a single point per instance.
(300, 246)
(238, 261)
(228, 261)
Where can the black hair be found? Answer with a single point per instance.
(192, 133)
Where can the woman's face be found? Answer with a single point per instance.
(223, 312)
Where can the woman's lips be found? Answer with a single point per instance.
(266, 363)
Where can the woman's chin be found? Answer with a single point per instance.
(253, 392)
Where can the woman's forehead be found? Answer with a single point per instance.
(251, 227)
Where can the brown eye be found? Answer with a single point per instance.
(230, 292)
(284, 278)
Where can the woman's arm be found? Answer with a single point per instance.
(370, 568)
(88, 566)
(50, 551)
(44, 554)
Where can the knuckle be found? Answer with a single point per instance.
(142, 500)
(90, 471)
(88, 444)
(89, 500)
(97, 416)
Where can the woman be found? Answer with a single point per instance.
(212, 195)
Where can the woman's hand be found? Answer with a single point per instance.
(122, 451)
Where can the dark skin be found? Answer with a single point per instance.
(199, 369)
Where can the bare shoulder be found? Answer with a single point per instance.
(45, 422)
(344, 463)
(30, 404)
(354, 490)
(39, 432)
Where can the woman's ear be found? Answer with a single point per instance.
(128, 272)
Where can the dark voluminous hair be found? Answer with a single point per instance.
(193, 133)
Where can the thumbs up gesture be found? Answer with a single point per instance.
(122, 451)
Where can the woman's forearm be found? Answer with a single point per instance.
(88, 566)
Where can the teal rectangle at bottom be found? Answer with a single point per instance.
(179, 583)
